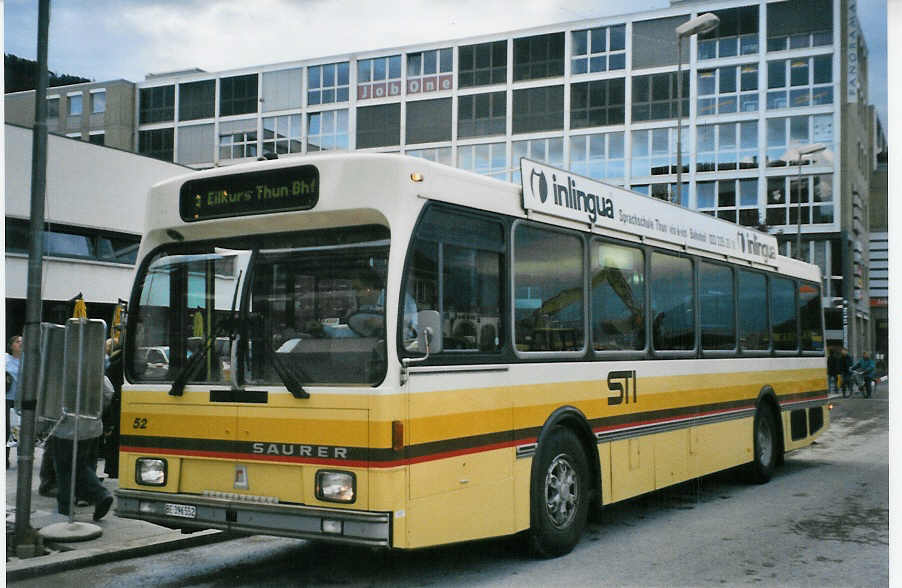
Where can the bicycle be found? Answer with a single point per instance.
(859, 383)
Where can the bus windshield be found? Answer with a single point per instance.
(309, 303)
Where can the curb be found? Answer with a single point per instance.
(18, 569)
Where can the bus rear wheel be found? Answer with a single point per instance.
(559, 496)
(766, 446)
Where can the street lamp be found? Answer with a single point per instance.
(798, 154)
(694, 26)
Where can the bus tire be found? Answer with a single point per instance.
(766, 446)
(559, 496)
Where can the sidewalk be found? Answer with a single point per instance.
(121, 538)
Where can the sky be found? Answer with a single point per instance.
(113, 39)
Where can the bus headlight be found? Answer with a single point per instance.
(334, 486)
(150, 471)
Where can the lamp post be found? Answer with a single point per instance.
(797, 154)
(694, 26)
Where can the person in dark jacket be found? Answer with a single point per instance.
(833, 370)
(845, 370)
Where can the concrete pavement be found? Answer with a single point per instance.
(120, 538)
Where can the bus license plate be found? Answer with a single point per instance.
(185, 511)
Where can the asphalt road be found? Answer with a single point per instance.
(821, 521)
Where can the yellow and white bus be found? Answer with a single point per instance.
(379, 350)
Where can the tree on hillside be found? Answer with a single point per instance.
(22, 74)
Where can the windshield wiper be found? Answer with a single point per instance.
(225, 327)
(287, 375)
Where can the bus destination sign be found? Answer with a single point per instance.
(242, 194)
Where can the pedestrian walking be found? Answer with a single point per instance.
(87, 486)
(13, 360)
(845, 370)
(834, 371)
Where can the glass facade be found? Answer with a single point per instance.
(763, 82)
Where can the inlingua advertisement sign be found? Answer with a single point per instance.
(563, 194)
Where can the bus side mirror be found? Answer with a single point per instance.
(429, 332)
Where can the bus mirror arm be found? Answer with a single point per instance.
(405, 363)
(429, 338)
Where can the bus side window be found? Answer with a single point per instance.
(784, 314)
(672, 303)
(548, 290)
(456, 269)
(718, 321)
(753, 328)
(618, 298)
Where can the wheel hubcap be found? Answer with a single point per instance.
(561, 491)
(765, 442)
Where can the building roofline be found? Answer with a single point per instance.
(675, 9)
(135, 153)
(51, 89)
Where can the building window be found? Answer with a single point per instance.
(327, 130)
(538, 109)
(378, 126)
(666, 192)
(429, 71)
(156, 104)
(728, 89)
(800, 40)
(282, 134)
(655, 96)
(196, 144)
(799, 23)
(600, 49)
(238, 139)
(803, 81)
(787, 132)
(197, 100)
(428, 121)
(481, 115)
(727, 146)
(730, 200)
(654, 152)
(98, 102)
(597, 103)
(238, 95)
(482, 65)
(539, 57)
(327, 84)
(74, 242)
(550, 151)
(785, 193)
(655, 44)
(438, 154)
(598, 156)
(53, 108)
(282, 90)
(75, 102)
(487, 159)
(156, 143)
(97, 138)
(737, 34)
(379, 77)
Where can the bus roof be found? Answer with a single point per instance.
(548, 194)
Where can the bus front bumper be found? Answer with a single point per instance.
(190, 511)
